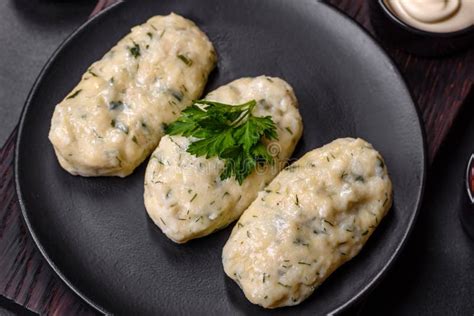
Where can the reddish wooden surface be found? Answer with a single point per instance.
(439, 86)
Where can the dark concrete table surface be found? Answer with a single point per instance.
(434, 274)
(30, 31)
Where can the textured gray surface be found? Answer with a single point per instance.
(30, 30)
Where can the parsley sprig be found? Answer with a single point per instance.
(230, 132)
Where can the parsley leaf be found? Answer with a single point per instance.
(230, 132)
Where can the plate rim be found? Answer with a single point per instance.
(20, 125)
(358, 296)
(365, 291)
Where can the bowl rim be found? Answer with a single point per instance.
(467, 179)
(388, 12)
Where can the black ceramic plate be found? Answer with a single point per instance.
(95, 231)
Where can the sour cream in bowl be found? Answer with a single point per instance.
(424, 27)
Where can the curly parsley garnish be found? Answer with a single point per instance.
(230, 132)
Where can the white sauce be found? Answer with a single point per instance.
(184, 194)
(439, 16)
(113, 119)
(314, 216)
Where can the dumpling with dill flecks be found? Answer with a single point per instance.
(313, 217)
(190, 195)
(113, 119)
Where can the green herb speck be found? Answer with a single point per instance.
(91, 72)
(185, 60)
(284, 285)
(326, 221)
(72, 96)
(298, 241)
(360, 179)
(381, 163)
(178, 95)
(304, 263)
(120, 126)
